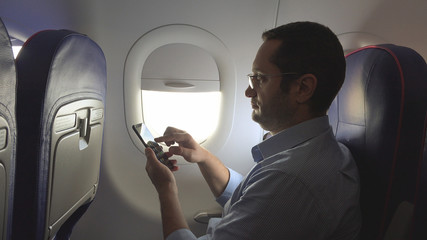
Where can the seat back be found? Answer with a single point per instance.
(60, 116)
(7, 132)
(380, 115)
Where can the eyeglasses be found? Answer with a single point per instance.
(257, 79)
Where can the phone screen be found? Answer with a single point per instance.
(148, 140)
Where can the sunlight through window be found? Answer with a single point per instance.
(196, 112)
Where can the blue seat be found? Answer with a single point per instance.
(7, 132)
(380, 115)
(60, 117)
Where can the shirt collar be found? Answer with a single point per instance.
(290, 138)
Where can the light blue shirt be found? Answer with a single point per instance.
(305, 185)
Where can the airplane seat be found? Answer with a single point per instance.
(60, 116)
(7, 132)
(380, 115)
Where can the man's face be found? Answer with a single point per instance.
(272, 109)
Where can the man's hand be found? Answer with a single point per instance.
(160, 175)
(212, 169)
(187, 146)
(165, 184)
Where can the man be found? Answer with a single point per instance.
(305, 184)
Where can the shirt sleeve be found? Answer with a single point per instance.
(181, 234)
(185, 234)
(233, 182)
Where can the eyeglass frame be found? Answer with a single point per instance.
(252, 76)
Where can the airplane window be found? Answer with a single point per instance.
(181, 76)
(180, 88)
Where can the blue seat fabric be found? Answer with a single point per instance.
(380, 115)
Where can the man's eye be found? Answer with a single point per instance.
(259, 77)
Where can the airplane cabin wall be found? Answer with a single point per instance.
(392, 21)
(126, 205)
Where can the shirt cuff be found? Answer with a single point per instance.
(234, 181)
(181, 234)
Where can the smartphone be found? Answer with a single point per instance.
(147, 139)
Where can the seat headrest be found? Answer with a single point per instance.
(380, 115)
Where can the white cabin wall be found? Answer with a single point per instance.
(395, 21)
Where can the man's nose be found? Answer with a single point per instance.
(249, 92)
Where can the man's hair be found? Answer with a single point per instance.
(309, 47)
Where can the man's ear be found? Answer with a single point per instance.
(307, 84)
